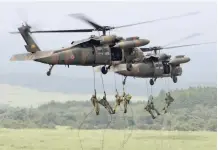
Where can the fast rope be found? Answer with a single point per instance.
(81, 126)
(147, 87)
(102, 83)
(94, 78)
(115, 83)
(130, 134)
(151, 90)
(124, 117)
(102, 144)
(88, 113)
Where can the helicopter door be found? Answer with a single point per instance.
(158, 69)
(102, 54)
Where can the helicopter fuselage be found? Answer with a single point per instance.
(90, 56)
(152, 70)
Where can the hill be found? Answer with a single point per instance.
(71, 85)
(193, 109)
(18, 96)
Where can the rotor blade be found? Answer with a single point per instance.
(15, 32)
(182, 39)
(87, 20)
(187, 45)
(160, 19)
(62, 31)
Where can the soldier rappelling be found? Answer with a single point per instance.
(150, 106)
(168, 100)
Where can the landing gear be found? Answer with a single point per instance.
(49, 71)
(124, 81)
(129, 67)
(174, 79)
(105, 69)
(152, 81)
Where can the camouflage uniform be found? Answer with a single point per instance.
(150, 106)
(169, 99)
(106, 105)
(118, 101)
(126, 101)
(94, 101)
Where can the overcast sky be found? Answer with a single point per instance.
(53, 15)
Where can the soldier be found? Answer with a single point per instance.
(126, 100)
(117, 101)
(150, 106)
(106, 105)
(169, 99)
(94, 101)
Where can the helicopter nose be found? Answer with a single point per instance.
(187, 59)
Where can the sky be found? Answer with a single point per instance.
(54, 15)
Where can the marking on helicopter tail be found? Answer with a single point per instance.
(33, 46)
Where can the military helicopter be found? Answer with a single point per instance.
(106, 50)
(156, 65)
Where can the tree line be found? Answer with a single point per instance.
(193, 109)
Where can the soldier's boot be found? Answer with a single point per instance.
(125, 107)
(152, 115)
(157, 111)
(115, 108)
(97, 109)
(166, 108)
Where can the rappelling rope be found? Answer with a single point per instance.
(88, 113)
(102, 144)
(81, 126)
(94, 79)
(102, 82)
(130, 134)
(147, 88)
(115, 83)
(124, 117)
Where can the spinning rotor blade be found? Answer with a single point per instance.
(160, 19)
(187, 45)
(62, 31)
(98, 27)
(183, 39)
(87, 20)
(155, 48)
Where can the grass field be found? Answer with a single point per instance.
(66, 139)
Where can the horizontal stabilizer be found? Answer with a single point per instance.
(31, 56)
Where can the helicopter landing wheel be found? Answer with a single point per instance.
(151, 82)
(129, 67)
(48, 73)
(104, 70)
(175, 79)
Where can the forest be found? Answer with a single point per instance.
(194, 109)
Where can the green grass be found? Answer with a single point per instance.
(66, 139)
